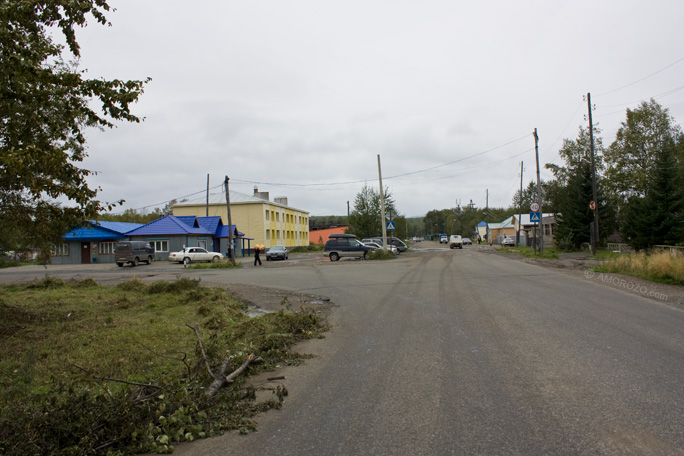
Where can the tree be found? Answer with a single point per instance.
(365, 219)
(631, 157)
(45, 106)
(572, 192)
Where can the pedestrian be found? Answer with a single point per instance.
(479, 239)
(257, 250)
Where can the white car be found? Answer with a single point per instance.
(193, 254)
(508, 240)
(455, 241)
(377, 245)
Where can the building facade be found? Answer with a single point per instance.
(263, 221)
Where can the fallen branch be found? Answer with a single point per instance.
(221, 379)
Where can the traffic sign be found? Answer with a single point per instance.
(535, 217)
(534, 207)
(592, 205)
(390, 226)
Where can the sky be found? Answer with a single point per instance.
(299, 97)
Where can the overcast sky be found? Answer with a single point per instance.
(300, 97)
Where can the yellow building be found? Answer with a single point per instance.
(268, 223)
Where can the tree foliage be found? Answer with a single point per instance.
(631, 157)
(573, 192)
(45, 106)
(365, 219)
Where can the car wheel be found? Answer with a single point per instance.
(215, 259)
(365, 255)
(135, 261)
(119, 265)
(150, 260)
(334, 256)
(187, 260)
(286, 257)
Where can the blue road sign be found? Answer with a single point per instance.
(535, 217)
(390, 226)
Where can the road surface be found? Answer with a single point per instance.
(459, 352)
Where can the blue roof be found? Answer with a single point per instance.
(210, 223)
(101, 231)
(223, 231)
(171, 225)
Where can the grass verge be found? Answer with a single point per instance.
(114, 370)
(662, 267)
(549, 253)
(380, 254)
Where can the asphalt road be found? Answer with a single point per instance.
(461, 352)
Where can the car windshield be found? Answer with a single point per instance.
(277, 247)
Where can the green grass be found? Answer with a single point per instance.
(81, 354)
(380, 254)
(549, 253)
(660, 267)
(223, 264)
(307, 248)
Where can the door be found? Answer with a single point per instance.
(85, 252)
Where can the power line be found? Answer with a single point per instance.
(642, 79)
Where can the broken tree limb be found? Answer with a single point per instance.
(220, 380)
(204, 355)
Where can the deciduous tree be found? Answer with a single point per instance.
(46, 103)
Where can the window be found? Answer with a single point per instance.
(106, 248)
(268, 235)
(202, 244)
(60, 250)
(278, 234)
(160, 246)
(267, 214)
(277, 216)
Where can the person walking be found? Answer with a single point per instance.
(257, 250)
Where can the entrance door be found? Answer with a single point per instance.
(85, 252)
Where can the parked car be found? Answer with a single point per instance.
(378, 245)
(417, 239)
(508, 241)
(455, 241)
(133, 252)
(467, 241)
(276, 252)
(345, 245)
(398, 243)
(443, 239)
(194, 254)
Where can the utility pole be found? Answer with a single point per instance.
(594, 228)
(207, 195)
(382, 209)
(231, 254)
(517, 240)
(539, 195)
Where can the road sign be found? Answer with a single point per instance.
(390, 226)
(535, 217)
(592, 205)
(534, 206)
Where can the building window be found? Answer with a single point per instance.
(59, 250)
(106, 248)
(267, 214)
(268, 235)
(202, 244)
(278, 234)
(160, 246)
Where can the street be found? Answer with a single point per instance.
(463, 352)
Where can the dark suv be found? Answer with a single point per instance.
(345, 245)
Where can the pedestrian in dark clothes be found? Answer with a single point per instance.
(257, 250)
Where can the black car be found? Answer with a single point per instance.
(276, 252)
(345, 245)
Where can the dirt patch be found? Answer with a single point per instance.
(271, 299)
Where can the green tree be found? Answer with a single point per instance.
(365, 219)
(631, 157)
(572, 192)
(45, 106)
(657, 218)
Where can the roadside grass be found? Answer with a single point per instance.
(223, 264)
(307, 248)
(550, 253)
(89, 369)
(660, 267)
(380, 254)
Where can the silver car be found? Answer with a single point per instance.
(276, 252)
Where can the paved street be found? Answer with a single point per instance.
(463, 352)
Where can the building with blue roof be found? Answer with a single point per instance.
(93, 242)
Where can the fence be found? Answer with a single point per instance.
(619, 248)
(675, 250)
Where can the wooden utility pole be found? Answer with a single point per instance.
(207, 195)
(539, 195)
(517, 240)
(382, 209)
(594, 228)
(231, 254)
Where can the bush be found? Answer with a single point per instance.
(659, 267)
(380, 254)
